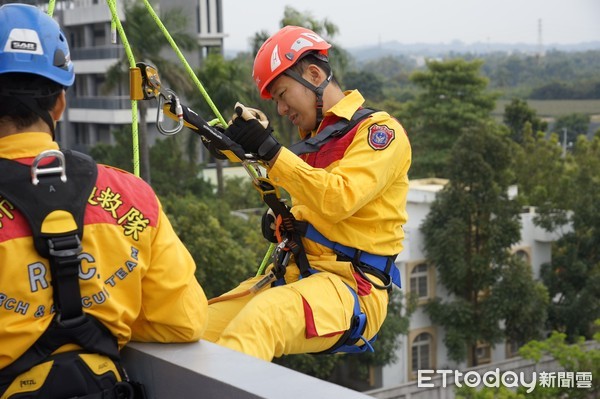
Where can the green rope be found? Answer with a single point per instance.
(116, 22)
(51, 4)
(186, 65)
(265, 261)
(207, 98)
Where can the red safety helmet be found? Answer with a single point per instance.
(281, 51)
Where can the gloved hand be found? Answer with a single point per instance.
(213, 146)
(250, 129)
(213, 137)
(267, 226)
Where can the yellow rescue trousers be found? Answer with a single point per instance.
(305, 315)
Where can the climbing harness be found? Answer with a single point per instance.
(53, 202)
(338, 129)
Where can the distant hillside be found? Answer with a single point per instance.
(440, 49)
(393, 48)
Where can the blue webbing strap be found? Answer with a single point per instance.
(357, 327)
(381, 263)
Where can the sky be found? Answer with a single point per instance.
(370, 22)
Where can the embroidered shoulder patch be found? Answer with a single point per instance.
(380, 136)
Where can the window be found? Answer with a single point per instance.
(522, 255)
(421, 352)
(483, 353)
(421, 284)
(419, 281)
(512, 348)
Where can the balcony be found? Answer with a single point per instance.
(101, 102)
(113, 52)
(112, 110)
(88, 12)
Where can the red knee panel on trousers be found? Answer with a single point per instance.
(311, 329)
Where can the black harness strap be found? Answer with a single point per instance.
(337, 129)
(39, 201)
(46, 197)
(294, 241)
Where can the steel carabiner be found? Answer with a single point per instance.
(163, 100)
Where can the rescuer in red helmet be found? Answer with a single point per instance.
(338, 241)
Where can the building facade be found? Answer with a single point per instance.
(94, 112)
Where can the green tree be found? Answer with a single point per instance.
(118, 155)
(147, 43)
(540, 172)
(573, 276)
(240, 193)
(226, 248)
(573, 124)
(453, 99)
(565, 192)
(575, 358)
(369, 84)
(174, 173)
(467, 235)
(516, 114)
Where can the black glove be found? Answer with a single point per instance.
(213, 137)
(267, 226)
(213, 146)
(253, 134)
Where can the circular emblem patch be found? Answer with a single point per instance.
(380, 136)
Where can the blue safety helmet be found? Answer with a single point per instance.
(32, 42)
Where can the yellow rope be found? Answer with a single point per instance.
(116, 22)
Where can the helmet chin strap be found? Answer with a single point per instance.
(318, 90)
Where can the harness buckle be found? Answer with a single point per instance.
(64, 247)
(36, 170)
(71, 322)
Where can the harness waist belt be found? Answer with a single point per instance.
(384, 264)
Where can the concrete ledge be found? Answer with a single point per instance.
(205, 370)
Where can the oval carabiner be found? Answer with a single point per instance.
(162, 100)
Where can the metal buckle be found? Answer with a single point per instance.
(36, 170)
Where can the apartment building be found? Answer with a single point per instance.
(94, 113)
